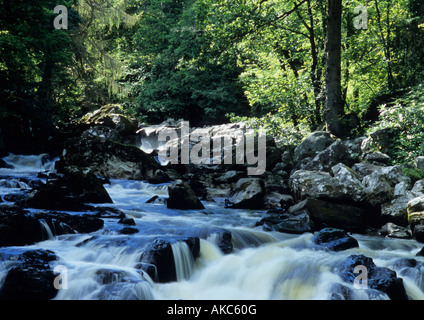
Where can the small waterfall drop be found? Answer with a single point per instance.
(46, 232)
(183, 258)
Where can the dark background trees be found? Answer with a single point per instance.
(209, 61)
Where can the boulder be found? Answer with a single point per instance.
(160, 254)
(295, 223)
(18, 227)
(69, 192)
(392, 230)
(377, 158)
(159, 177)
(415, 209)
(336, 153)
(343, 187)
(313, 144)
(31, 278)
(248, 193)
(395, 211)
(182, 196)
(419, 163)
(111, 116)
(107, 158)
(334, 240)
(378, 278)
(380, 184)
(363, 169)
(324, 213)
(418, 189)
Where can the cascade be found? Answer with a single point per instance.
(257, 265)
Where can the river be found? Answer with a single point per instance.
(262, 266)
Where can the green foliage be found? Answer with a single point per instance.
(405, 118)
(414, 173)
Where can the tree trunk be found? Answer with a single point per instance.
(334, 106)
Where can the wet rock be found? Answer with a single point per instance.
(31, 279)
(392, 230)
(160, 254)
(297, 222)
(4, 164)
(182, 196)
(18, 227)
(324, 213)
(127, 221)
(70, 192)
(159, 177)
(108, 158)
(128, 230)
(379, 278)
(248, 193)
(334, 240)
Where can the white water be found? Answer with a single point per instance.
(105, 264)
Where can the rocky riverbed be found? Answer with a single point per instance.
(127, 227)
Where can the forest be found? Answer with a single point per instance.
(289, 66)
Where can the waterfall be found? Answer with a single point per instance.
(46, 232)
(183, 259)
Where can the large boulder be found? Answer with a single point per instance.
(18, 227)
(31, 278)
(296, 222)
(108, 158)
(336, 153)
(111, 116)
(324, 213)
(70, 192)
(334, 240)
(182, 196)
(380, 184)
(415, 209)
(395, 211)
(313, 144)
(343, 186)
(160, 254)
(248, 193)
(378, 278)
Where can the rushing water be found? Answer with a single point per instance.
(263, 265)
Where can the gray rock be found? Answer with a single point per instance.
(392, 230)
(336, 153)
(182, 196)
(419, 163)
(344, 186)
(396, 210)
(380, 185)
(248, 193)
(364, 169)
(313, 144)
(324, 213)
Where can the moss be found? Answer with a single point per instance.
(412, 172)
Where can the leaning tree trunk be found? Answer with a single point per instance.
(334, 106)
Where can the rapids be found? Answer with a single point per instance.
(262, 266)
